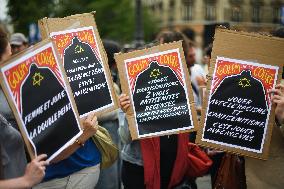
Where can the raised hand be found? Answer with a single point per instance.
(277, 97)
(124, 102)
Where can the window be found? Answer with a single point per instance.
(210, 10)
(256, 10)
(276, 15)
(187, 10)
(256, 13)
(236, 15)
(171, 10)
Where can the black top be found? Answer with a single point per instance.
(168, 151)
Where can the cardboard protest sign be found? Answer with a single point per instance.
(38, 96)
(78, 43)
(237, 113)
(157, 81)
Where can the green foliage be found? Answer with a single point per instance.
(115, 18)
(24, 12)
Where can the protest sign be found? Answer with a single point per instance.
(237, 113)
(38, 95)
(85, 63)
(157, 81)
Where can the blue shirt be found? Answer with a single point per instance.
(86, 156)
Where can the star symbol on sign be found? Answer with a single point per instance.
(37, 78)
(155, 73)
(79, 49)
(244, 82)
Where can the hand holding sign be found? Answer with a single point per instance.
(277, 97)
(90, 127)
(35, 170)
(124, 102)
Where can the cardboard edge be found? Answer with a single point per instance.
(250, 34)
(125, 90)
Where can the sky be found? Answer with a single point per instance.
(3, 9)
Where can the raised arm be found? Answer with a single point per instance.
(277, 97)
(123, 129)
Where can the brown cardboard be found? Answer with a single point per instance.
(251, 47)
(148, 55)
(49, 25)
(21, 57)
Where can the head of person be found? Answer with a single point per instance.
(18, 42)
(171, 36)
(5, 48)
(207, 54)
(112, 47)
(191, 54)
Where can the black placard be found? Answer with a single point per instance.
(86, 76)
(160, 100)
(40, 100)
(46, 111)
(238, 112)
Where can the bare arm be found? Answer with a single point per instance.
(123, 129)
(124, 102)
(277, 97)
(90, 126)
(34, 173)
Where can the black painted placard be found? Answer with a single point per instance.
(46, 111)
(160, 100)
(237, 112)
(86, 76)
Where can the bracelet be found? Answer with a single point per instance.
(79, 143)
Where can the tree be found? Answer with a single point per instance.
(24, 12)
(115, 18)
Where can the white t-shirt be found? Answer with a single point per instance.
(196, 71)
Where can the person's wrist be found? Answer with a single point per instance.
(79, 142)
(84, 137)
(25, 182)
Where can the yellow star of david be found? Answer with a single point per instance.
(155, 73)
(244, 82)
(79, 49)
(37, 78)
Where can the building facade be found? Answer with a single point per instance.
(202, 16)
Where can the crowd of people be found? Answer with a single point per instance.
(152, 163)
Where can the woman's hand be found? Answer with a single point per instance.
(277, 97)
(124, 102)
(90, 126)
(35, 170)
